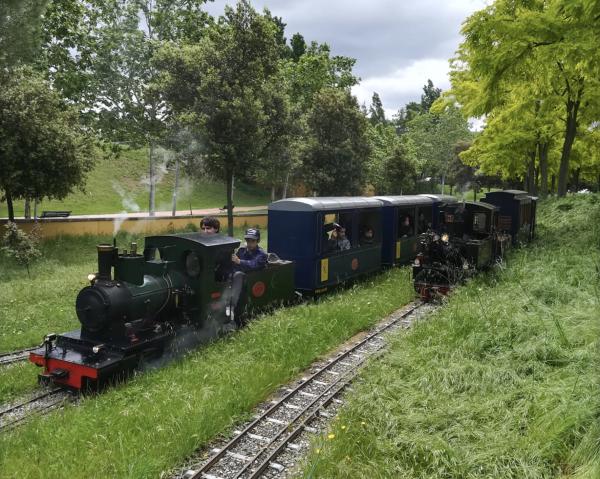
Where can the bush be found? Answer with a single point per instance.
(20, 246)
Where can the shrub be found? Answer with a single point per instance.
(20, 246)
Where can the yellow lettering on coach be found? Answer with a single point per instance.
(397, 249)
(324, 269)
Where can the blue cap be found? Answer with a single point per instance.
(252, 233)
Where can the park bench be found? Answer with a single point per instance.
(55, 214)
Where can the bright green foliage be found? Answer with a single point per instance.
(44, 152)
(314, 70)
(337, 146)
(501, 382)
(391, 168)
(433, 137)
(545, 50)
(152, 423)
(20, 246)
(20, 31)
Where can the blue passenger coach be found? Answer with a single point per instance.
(307, 231)
(404, 219)
(517, 213)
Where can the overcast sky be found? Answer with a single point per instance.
(398, 44)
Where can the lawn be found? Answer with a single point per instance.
(117, 184)
(501, 383)
(151, 423)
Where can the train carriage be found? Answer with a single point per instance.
(517, 213)
(300, 230)
(404, 219)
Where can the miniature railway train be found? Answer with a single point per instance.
(137, 303)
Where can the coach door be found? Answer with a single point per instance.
(406, 241)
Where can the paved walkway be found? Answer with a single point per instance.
(144, 214)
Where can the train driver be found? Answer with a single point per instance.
(249, 258)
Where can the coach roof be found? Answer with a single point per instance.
(325, 203)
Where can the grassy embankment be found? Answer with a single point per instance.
(31, 307)
(503, 383)
(116, 185)
(152, 422)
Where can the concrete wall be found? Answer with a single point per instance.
(51, 227)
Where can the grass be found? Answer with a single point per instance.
(501, 383)
(116, 185)
(151, 423)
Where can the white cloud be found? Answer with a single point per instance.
(403, 85)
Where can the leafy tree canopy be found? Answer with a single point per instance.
(43, 150)
(337, 147)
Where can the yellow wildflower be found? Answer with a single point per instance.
(331, 436)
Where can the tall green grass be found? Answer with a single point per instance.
(503, 381)
(151, 423)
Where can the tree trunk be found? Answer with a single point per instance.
(530, 186)
(229, 180)
(451, 188)
(272, 192)
(553, 185)
(285, 185)
(9, 205)
(174, 211)
(543, 157)
(151, 175)
(27, 212)
(570, 133)
(35, 209)
(576, 179)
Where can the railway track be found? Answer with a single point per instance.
(254, 451)
(42, 403)
(16, 356)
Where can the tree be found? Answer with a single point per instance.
(413, 109)
(434, 137)
(20, 31)
(337, 147)
(99, 53)
(391, 168)
(20, 246)
(44, 152)
(222, 87)
(547, 44)
(376, 112)
(298, 46)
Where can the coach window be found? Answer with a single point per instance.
(336, 228)
(368, 228)
(406, 222)
(424, 219)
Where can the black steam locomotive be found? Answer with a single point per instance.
(471, 236)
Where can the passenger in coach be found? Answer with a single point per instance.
(338, 241)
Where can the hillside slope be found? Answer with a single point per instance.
(118, 184)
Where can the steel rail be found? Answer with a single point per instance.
(42, 408)
(344, 380)
(15, 356)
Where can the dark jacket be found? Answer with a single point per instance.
(251, 260)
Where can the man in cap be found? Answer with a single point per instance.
(249, 258)
(252, 257)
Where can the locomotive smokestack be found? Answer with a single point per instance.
(106, 255)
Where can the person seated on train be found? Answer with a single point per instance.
(210, 225)
(338, 240)
(368, 236)
(406, 227)
(423, 226)
(249, 258)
